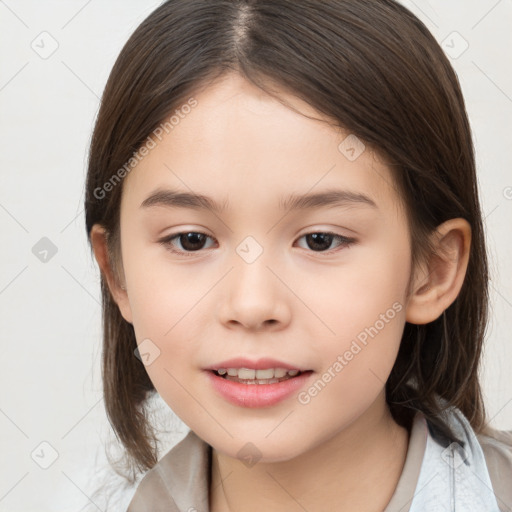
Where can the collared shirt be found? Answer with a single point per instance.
(435, 478)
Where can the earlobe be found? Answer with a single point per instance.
(438, 281)
(116, 285)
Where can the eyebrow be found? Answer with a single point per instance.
(328, 198)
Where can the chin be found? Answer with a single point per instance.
(261, 450)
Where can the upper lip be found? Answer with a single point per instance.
(260, 364)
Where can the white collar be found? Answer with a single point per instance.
(454, 476)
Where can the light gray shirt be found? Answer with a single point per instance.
(438, 476)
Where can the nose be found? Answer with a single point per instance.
(254, 297)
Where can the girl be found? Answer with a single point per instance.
(282, 199)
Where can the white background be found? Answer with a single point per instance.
(50, 326)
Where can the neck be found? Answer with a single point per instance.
(357, 469)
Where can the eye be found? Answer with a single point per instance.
(194, 241)
(190, 241)
(321, 241)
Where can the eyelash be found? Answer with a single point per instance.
(167, 242)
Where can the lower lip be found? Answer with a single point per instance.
(257, 395)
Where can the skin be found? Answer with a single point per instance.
(342, 450)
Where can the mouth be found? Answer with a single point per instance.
(251, 376)
(257, 388)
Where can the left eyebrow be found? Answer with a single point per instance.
(334, 197)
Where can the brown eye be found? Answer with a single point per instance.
(321, 242)
(192, 241)
(189, 242)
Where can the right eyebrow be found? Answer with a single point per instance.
(176, 199)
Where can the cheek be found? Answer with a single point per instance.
(165, 313)
(357, 360)
(364, 306)
(369, 289)
(159, 293)
(169, 308)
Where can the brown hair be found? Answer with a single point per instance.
(376, 70)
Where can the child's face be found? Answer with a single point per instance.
(320, 305)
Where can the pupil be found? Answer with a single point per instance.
(320, 240)
(189, 239)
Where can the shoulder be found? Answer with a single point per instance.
(497, 448)
(151, 495)
(178, 481)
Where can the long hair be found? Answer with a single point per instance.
(373, 68)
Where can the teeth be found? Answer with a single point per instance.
(246, 373)
(262, 374)
(251, 374)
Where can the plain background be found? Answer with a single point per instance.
(50, 326)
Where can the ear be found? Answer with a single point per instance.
(437, 282)
(116, 284)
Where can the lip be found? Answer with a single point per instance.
(260, 364)
(257, 395)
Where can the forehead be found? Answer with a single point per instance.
(238, 143)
